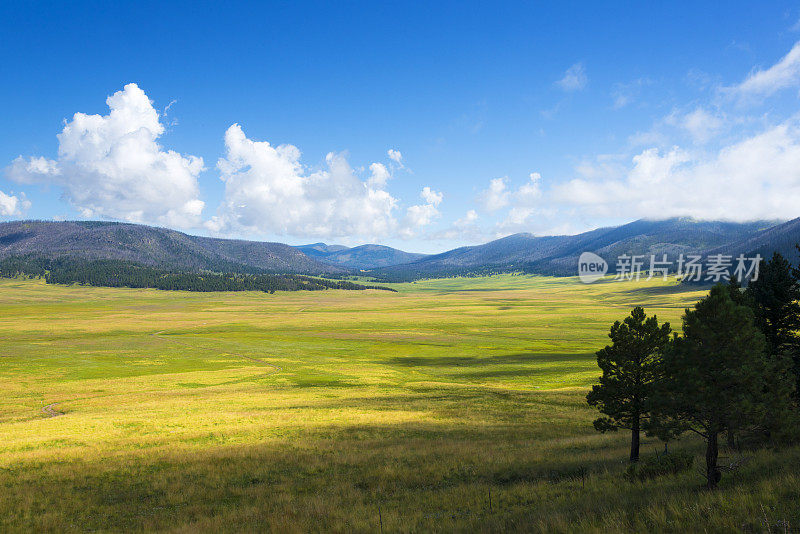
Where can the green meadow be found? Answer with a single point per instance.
(451, 405)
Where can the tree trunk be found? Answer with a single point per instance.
(635, 440)
(712, 453)
(731, 435)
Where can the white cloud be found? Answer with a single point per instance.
(32, 170)
(112, 166)
(701, 125)
(574, 78)
(465, 228)
(496, 196)
(469, 218)
(395, 155)
(422, 214)
(12, 205)
(379, 176)
(430, 196)
(529, 193)
(525, 202)
(785, 73)
(268, 191)
(756, 178)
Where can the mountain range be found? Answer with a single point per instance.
(157, 247)
(552, 255)
(363, 257)
(558, 255)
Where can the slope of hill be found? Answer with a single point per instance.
(361, 257)
(319, 250)
(558, 255)
(159, 247)
(781, 238)
(554, 255)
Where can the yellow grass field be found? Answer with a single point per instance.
(451, 405)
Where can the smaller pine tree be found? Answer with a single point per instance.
(630, 366)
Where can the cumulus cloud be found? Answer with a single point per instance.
(13, 205)
(395, 155)
(422, 214)
(785, 73)
(379, 175)
(496, 195)
(269, 191)
(525, 202)
(112, 166)
(755, 178)
(530, 192)
(469, 218)
(430, 196)
(574, 78)
(521, 201)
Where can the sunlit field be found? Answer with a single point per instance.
(454, 404)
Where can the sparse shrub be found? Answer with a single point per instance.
(659, 465)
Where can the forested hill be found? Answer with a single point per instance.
(119, 273)
(558, 255)
(156, 247)
(548, 255)
(782, 238)
(361, 257)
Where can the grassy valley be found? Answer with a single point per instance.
(455, 404)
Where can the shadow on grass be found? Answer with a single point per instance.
(534, 452)
(331, 478)
(333, 471)
(517, 358)
(676, 289)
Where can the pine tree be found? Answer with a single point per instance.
(774, 297)
(629, 367)
(714, 376)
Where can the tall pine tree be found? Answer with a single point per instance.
(775, 298)
(629, 368)
(775, 295)
(713, 376)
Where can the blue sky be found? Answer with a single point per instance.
(500, 118)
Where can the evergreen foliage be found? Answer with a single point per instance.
(630, 367)
(117, 273)
(714, 376)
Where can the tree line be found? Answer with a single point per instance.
(733, 372)
(119, 273)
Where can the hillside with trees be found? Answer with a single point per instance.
(156, 247)
(117, 273)
(558, 255)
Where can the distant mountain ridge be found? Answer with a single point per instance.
(547, 255)
(364, 257)
(781, 238)
(319, 250)
(558, 255)
(158, 247)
